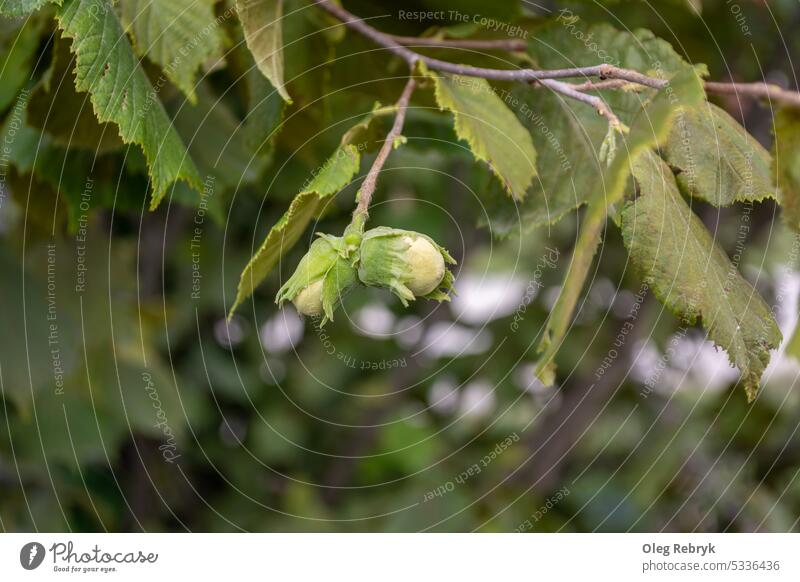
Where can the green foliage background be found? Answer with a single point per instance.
(130, 402)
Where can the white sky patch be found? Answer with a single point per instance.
(282, 332)
(374, 320)
(451, 339)
(486, 298)
(477, 399)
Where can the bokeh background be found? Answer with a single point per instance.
(130, 404)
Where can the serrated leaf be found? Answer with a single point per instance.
(263, 32)
(82, 178)
(493, 132)
(786, 164)
(717, 160)
(121, 93)
(23, 7)
(177, 35)
(56, 108)
(568, 135)
(335, 174)
(692, 276)
(652, 128)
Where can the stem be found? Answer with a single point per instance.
(526, 75)
(756, 90)
(370, 182)
(596, 102)
(511, 45)
(600, 85)
(603, 72)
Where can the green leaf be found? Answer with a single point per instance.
(568, 135)
(67, 116)
(786, 164)
(717, 160)
(493, 133)
(652, 128)
(310, 203)
(229, 160)
(18, 44)
(24, 7)
(793, 345)
(121, 93)
(177, 35)
(20, 141)
(334, 175)
(265, 112)
(692, 276)
(263, 32)
(88, 399)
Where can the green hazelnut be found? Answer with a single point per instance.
(309, 300)
(426, 265)
(322, 278)
(407, 263)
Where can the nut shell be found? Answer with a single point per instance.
(426, 266)
(309, 301)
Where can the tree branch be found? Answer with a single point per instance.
(604, 72)
(755, 90)
(524, 75)
(596, 102)
(368, 187)
(510, 45)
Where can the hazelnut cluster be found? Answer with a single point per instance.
(407, 263)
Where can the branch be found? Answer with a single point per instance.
(596, 102)
(604, 72)
(368, 187)
(511, 45)
(755, 90)
(525, 75)
(600, 85)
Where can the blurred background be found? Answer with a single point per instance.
(130, 404)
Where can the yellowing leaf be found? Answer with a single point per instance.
(493, 132)
(121, 92)
(568, 135)
(716, 159)
(263, 32)
(692, 276)
(652, 128)
(786, 155)
(177, 35)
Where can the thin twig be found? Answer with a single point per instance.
(603, 72)
(600, 85)
(596, 102)
(511, 45)
(755, 90)
(368, 187)
(525, 75)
